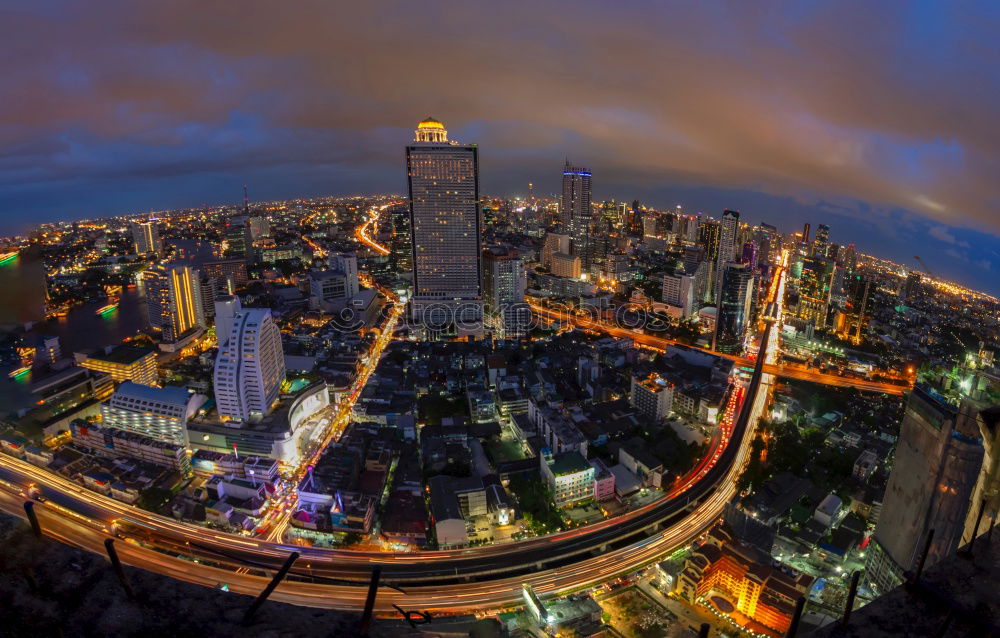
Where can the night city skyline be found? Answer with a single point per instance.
(539, 320)
(841, 114)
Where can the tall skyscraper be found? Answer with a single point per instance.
(575, 211)
(768, 243)
(815, 289)
(633, 221)
(504, 283)
(401, 246)
(250, 366)
(445, 225)
(708, 238)
(749, 255)
(575, 202)
(727, 246)
(237, 237)
(911, 285)
(736, 292)
(821, 245)
(936, 468)
(173, 300)
(146, 236)
(858, 293)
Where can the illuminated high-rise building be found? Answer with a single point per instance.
(858, 298)
(728, 230)
(400, 245)
(911, 285)
(158, 413)
(575, 202)
(504, 283)
(250, 366)
(173, 300)
(237, 237)
(750, 254)
(768, 243)
(708, 238)
(733, 312)
(575, 210)
(445, 226)
(821, 245)
(815, 289)
(146, 236)
(633, 221)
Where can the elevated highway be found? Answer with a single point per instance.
(470, 579)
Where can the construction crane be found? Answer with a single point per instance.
(924, 266)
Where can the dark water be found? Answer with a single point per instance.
(22, 300)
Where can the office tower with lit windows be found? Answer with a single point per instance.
(768, 243)
(633, 221)
(911, 285)
(400, 248)
(821, 245)
(575, 210)
(749, 255)
(554, 243)
(504, 283)
(815, 289)
(679, 291)
(173, 301)
(443, 179)
(258, 228)
(229, 275)
(123, 363)
(858, 289)
(250, 367)
(146, 236)
(574, 205)
(851, 258)
(936, 476)
(728, 230)
(158, 413)
(708, 238)
(237, 237)
(733, 312)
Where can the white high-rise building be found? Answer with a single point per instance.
(159, 413)
(346, 263)
(445, 229)
(679, 291)
(331, 289)
(250, 366)
(226, 309)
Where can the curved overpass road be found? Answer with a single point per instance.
(463, 580)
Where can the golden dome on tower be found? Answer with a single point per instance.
(430, 123)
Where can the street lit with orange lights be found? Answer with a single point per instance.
(470, 579)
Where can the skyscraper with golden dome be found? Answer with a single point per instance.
(443, 178)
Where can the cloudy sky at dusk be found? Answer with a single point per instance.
(879, 119)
